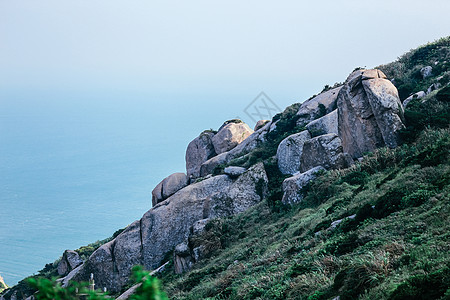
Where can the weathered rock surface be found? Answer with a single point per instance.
(250, 143)
(369, 113)
(292, 186)
(426, 72)
(229, 136)
(168, 224)
(260, 124)
(324, 125)
(290, 151)
(198, 151)
(249, 189)
(234, 172)
(418, 95)
(201, 243)
(326, 151)
(169, 186)
(182, 258)
(318, 106)
(433, 87)
(69, 261)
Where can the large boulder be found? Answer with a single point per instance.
(182, 258)
(230, 135)
(260, 124)
(326, 151)
(290, 151)
(426, 72)
(292, 186)
(418, 95)
(317, 106)
(234, 172)
(69, 261)
(169, 186)
(369, 113)
(147, 241)
(250, 143)
(324, 125)
(202, 242)
(198, 151)
(249, 189)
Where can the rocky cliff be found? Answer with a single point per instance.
(233, 169)
(367, 101)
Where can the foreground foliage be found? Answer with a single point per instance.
(52, 290)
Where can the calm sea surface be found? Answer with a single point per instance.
(73, 174)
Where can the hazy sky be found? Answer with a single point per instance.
(197, 62)
(225, 50)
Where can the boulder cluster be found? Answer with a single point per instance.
(425, 72)
(338, 126)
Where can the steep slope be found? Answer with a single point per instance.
(372, 226)
(376, 230)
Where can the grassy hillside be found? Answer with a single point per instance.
(393, 238)
(377, 230)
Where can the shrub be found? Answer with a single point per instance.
(344, 244)
(416, 198)
(355, 177)
(355, 279)
(298, 269)
(444, 94)
(149, 288)
(424, 287)
(388, 203)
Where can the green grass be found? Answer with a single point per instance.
(406, 70)
(290, 254)
(395, 246)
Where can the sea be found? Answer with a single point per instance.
(74, 168)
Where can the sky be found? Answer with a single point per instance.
(167, 70)
(209, 56)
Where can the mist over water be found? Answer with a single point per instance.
(73, 173)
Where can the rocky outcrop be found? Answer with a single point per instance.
(292, 186)
(249, 189)
(234, 172)
(250, 143)
(182, 258)
(290, 151)
(229, 136)
(210, 145)
(260, 124)
(426, 72)
(418, 95)
(198, 151)
(69, 261)
(147, 241)
(318, 106)
(324, 125)
(202, 242)
(168, 186)
(435, 86)
(369, 113)
(326, 151)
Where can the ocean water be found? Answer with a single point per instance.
(74, 172)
